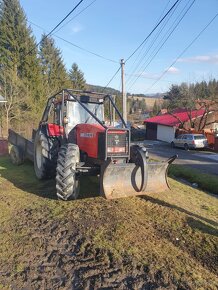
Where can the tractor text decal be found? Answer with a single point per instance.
(87, 135)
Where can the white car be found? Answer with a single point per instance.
(190, 141)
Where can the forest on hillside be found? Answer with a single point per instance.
(31, 72)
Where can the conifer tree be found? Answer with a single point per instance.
(77, 77)
(55, 75)
(156, 109)
(19, 70)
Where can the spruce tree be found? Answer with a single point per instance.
(20, 80)
(156, 109)
(77, 77)
(55, 75)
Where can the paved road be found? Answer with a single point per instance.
(202, 160)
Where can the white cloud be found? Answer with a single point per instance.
(201, 59)
(173, 70)
(76, 28)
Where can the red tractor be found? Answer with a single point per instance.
(73, 139)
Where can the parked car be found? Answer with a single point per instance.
(190, 141)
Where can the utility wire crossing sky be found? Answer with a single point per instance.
(100, 33)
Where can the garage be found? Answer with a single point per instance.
(163, 127)
(165, 133)
(151, 131)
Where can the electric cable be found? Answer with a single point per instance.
(76, 15)
(153, 42)
(111, 79)
(187, 47)
(131, 55)
(75, 45)
(156, 26)
(149, 78)
(47, 35)
(147, 50)
(168, 36)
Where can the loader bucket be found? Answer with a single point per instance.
(125, 179)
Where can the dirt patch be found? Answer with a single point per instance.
(64, 259)
(168, 241)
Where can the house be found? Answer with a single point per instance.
(164, 127)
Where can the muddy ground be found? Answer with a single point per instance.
(156, 242)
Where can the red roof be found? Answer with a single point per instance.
(171, 120)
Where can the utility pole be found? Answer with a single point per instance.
(122, 63)
(114, 100)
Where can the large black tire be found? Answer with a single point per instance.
(67, 182)
(16, 155)
(45, 156)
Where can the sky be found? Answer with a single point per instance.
(114, 29)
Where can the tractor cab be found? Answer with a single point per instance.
(75, 114)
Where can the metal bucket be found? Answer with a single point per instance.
(125, 179)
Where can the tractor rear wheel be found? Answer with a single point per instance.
(45, 156)
(67, 183)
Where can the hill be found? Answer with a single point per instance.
(100, 89)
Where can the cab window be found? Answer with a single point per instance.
(54, 116)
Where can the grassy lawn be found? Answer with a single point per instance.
(165, 240)
(206, 182)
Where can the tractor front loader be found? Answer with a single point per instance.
(73, 139)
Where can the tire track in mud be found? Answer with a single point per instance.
(64, 259)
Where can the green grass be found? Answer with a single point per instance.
(173, 232)
(206, 182)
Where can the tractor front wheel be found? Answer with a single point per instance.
(67, 183)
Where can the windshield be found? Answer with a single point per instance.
(78, 115)
(96, 109)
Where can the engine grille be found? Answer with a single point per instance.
(117, 143)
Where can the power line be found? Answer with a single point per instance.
(76, 15)
(178, 57)
(153, 42)
(75, 45)
(62, 20)
(146, 77)
(168, 36)
(111, 79)
(147, 50)
(156, 26)
(56, 26)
